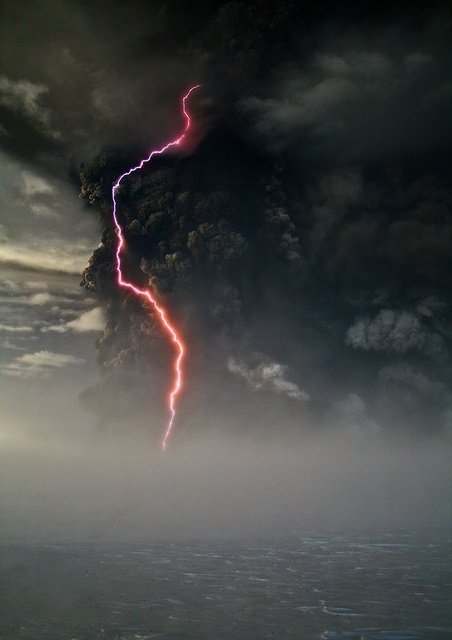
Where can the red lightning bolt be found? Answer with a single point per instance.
(160, 311)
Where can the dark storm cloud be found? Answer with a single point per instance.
(362, 92)
(77, 75)
(312, 223)
(25, 98)
(309, 220)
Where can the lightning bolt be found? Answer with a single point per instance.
(160, 311)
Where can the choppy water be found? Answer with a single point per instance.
(380, 587)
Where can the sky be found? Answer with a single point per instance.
(300, 240)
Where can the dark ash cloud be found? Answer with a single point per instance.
(309, 223)
(308, 219)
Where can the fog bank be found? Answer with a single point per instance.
(218, 488)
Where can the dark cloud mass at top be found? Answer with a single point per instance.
(301, 240)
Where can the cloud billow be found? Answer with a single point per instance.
(396, 332)
(268, 376)
(24, 97)
(41, 364)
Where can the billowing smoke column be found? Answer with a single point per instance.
(160, 311)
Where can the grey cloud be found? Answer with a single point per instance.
(305, 107)
(279, 231)
(39, 364)
(40, 196)
(46, 254)
(431, 306)
(351, 415)
(396, 332)
(7, 344)
(54, 328)
(44, 211)
(47, 301)
(15, 328)
(42, 298)
(34, 185)
(36, 284)
(351, 88)
(92, 320)
(96, 78)
(369, 65)
(267, 376)
(404, 374)
(332, 198)
(24, 98)
(7, 286)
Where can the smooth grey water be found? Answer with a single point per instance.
(392, 586)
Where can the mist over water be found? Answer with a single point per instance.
(218, 487)
(324, 538)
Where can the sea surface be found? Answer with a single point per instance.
(386, 586)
